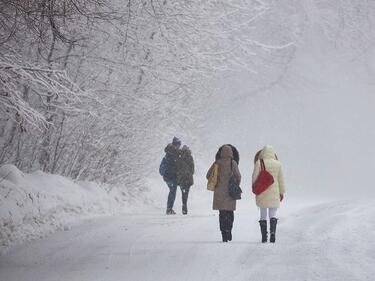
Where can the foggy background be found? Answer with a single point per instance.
(316, 107)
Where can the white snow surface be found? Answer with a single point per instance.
(34, 205)
(316, 240)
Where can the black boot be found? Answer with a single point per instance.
(170, 211)
(273, 223)
(184, 210)
(222, 226)
(263, 230)
(229, 235)
(224, 235)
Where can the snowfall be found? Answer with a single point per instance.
(320, 123)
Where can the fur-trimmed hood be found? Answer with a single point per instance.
(268, 153)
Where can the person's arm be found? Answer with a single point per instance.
(256, 171)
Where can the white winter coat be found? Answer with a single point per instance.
(271, 197)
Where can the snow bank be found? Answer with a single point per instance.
(34, 205)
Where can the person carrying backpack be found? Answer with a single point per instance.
(227, 160)
(168, 170)
(185, 171)
(269, 200)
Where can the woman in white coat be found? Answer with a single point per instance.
(269, 200)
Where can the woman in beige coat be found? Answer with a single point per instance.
(222, 201)
(269, 200)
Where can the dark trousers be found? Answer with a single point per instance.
(172, 193)
(185, 194)
(226, 219)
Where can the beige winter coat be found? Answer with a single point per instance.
(271, 197)
(222, 200)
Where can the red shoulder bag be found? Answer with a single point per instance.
(264, 180)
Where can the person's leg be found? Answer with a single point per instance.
(223, 222)
(263, 214)
(171, 196)
(273, 223)
(185, 195)
(231, 219)
(230, 224)
(263, 224)
(272, 212)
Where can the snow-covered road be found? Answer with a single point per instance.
(321, 241)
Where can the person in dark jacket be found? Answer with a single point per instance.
(226, 158)
(170, 172)
(185, 171)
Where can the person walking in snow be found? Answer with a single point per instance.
(269, 200)
(185, 172)
(168, 170)
(227, 159)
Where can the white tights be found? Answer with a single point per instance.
(271, 213)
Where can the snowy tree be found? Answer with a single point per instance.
(133, 73)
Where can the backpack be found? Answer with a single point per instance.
(163, 167)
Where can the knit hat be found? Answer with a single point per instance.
(176, 141)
